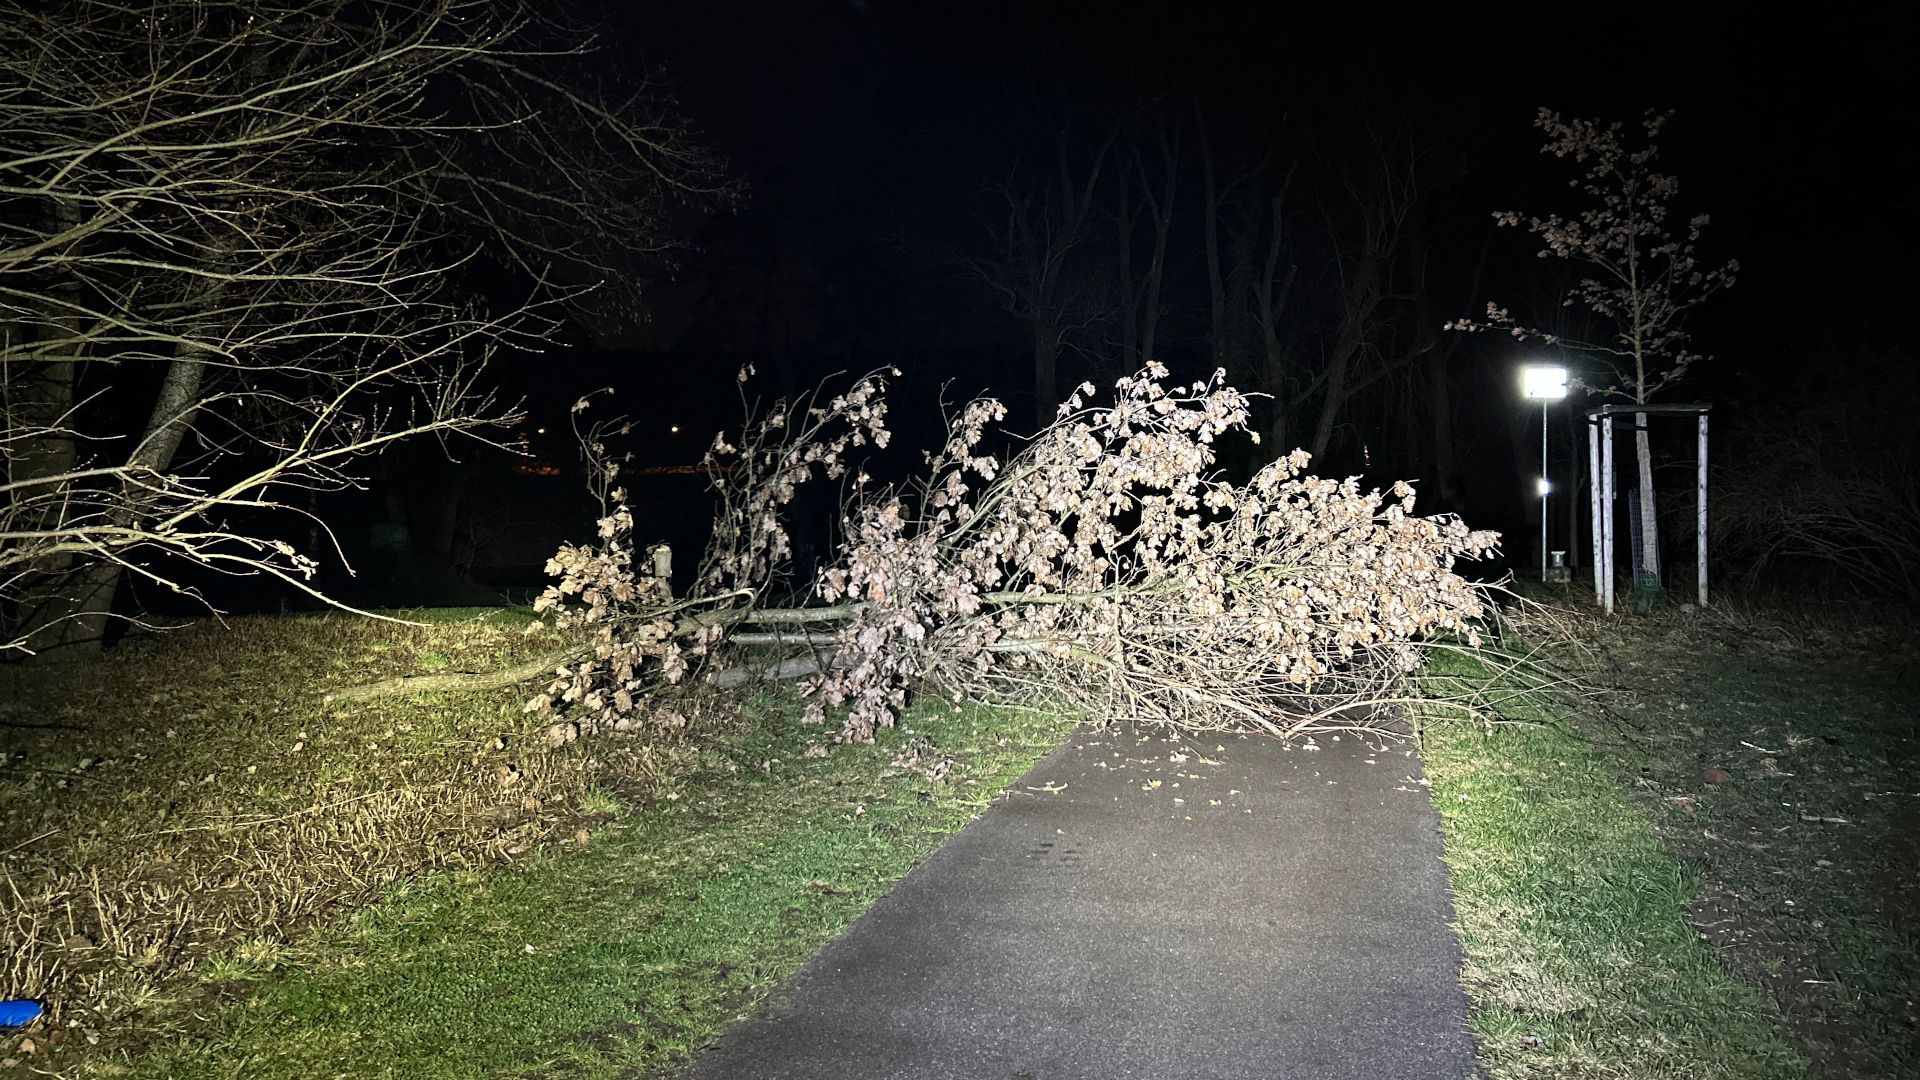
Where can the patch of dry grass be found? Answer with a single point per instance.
(172, 812)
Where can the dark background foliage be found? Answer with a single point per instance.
(876, 140)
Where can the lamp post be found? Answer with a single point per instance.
(1545, 383)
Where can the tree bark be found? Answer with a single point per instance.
(1362, 297)
(89, 603)
(1647, 586)
(1274, 293)
(1210, 211)
(1046, 370)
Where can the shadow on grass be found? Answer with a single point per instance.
(1579, 959)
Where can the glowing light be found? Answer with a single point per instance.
(1544, 485)
(675, 429)
(1544, 382)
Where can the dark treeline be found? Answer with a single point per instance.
(1015, 199)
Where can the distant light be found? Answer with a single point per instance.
(539, 431)
(1544, 382)
(1545, 485)
(675, 429)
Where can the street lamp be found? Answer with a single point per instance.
(1545, 383)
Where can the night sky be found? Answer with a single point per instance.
(867, 134)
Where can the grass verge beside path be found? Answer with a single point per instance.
(1579, 961)
(1806, 844)
(188, 795)
(623, 956)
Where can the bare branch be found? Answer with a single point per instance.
(281, 210)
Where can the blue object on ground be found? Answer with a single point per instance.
(19, 1012)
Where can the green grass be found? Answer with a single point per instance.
(192, 831)
(1579, 961)
(1807, 852)
(624, 955)
(189, 791)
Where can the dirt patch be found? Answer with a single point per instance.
(1817, 1022)
(1780, 760)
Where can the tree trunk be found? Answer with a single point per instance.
(39, 396)
(1160, 204)
(1216, 282)
(1346, 348)
(1362, 297)
(1124, 217)
(170, 418)
(1440, 402)
(1648, 592)
(1163, 222)
(1439, 368)
(1279, 433)
(1046, 371)
(1274, 292)
(1523, 439)
(1241, 265)
(89, 602)
(1330, 405)
(36, 399)
(1576, 483)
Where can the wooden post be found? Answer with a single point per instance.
(1593, 503)
(1606, 514)
(1573, 488)
(1702, 496)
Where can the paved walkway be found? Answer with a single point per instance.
(1140, 907)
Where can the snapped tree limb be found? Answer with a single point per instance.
(1107, 559)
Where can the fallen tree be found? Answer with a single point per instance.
(1107, 559)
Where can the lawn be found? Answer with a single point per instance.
(625, 955)
(1579, 961)
(1705, 870)
(189, 793)
(1805, 847)
(509, 907)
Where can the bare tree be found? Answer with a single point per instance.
(1225, 272)
(1248, 243)
(1269, 298)
(1316, 344)
(1642, 278)
(1159, 200)
(239, 251)
(1366, 228)
(1437, 365)
(1039, 218)
(1823, 481)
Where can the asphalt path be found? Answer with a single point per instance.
(1144, 907)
